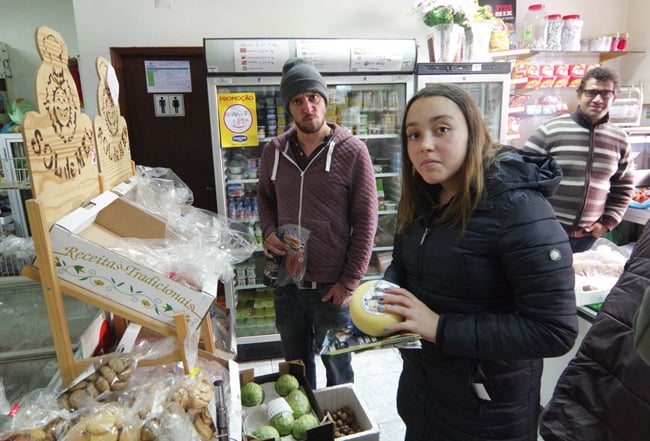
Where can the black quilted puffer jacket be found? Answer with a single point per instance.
(604, 392)
(505, 294)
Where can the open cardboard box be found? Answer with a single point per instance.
(135, 333)
(324, 432)
(123, 188)
(80, 243)
(333, 398)
(597, 270)
(588, 294)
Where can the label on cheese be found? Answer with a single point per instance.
(364, 309)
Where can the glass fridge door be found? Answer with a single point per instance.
(373, 111)
(236, 177)
(487, 83)
(371, 108)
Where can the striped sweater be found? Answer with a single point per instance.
(598, 180)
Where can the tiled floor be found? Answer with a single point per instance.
(376, 373)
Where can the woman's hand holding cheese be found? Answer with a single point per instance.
(418, 318)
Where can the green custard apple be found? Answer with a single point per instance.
(302, 425)
(283, 422)
(267, 432)
(299, 403)
(285, 384)
(252, 394)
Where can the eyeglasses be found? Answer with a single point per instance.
(604, 94)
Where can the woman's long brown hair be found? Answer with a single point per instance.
(418, 197)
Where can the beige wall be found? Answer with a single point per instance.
(18, 22)
(101, 24)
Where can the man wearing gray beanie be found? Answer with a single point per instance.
(300, 75)
(319, 177)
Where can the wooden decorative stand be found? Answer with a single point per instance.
(70, 162)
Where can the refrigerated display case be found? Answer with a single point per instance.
(368, 81)
(27, 356)
(16, 248)
(639, 138)
(488, 83)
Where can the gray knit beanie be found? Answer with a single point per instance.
(299, 76)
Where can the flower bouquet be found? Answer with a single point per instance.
(453, 23)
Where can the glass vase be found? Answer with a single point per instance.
(477, 44)
(446, 43)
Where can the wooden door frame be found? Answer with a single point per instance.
(117, 53)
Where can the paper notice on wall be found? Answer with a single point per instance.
(327, 55)
(168, 76)
(253, 56)
(376, 55)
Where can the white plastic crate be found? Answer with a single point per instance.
(15, 253)
(13, 167)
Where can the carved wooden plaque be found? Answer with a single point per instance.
(111, 134)
(59, 138)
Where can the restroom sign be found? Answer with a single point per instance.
(169, 104)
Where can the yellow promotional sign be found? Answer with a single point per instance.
(237, 119)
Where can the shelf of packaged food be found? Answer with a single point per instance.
(519, 88)
(545, 115)
(253, 286)
(513, 136)
(377, 136)
(386, 174)
(517, 81)
(517, 109)
(242, 181)
(602, 56)
(255, 180)
(358, 135)
(509, 55)
(261, 338)
(520, 53)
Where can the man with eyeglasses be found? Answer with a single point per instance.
(319, 177)
(595, 158)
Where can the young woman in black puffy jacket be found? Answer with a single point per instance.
(485, 275)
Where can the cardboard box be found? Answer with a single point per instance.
(584, 297)
(80, 242)
(592, 290)
(330, 399)
(134, 333)
(123, 188)
(324, 432)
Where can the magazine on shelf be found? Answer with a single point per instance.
(350, 339)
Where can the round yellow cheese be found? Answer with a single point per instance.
(364, 312)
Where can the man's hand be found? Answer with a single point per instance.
(338, 295)
(596, 229)
(273, 246)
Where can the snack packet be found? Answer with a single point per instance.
(294, 263)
